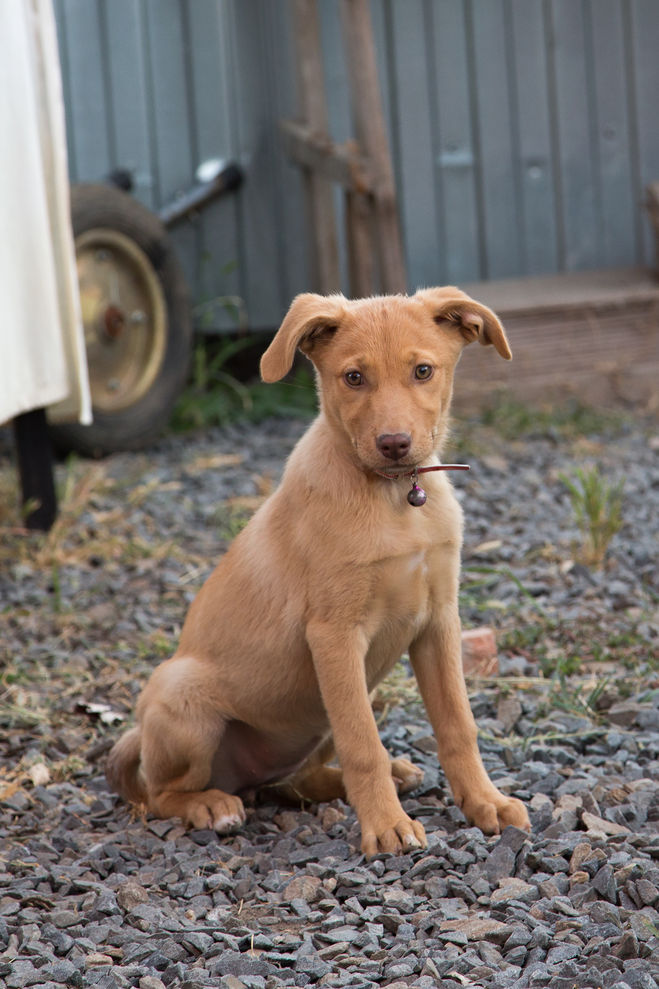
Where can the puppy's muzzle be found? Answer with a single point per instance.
(394, 446)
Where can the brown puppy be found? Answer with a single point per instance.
(332, 580)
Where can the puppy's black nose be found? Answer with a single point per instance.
(394, 446)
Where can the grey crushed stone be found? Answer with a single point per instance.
(91, 896)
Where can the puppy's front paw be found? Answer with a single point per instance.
(494, 812)
(405, 835)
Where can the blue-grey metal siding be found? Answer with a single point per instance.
(523, 132)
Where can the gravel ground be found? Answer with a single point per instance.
(92, 896)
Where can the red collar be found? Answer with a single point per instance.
(417, 497)
(422, 470)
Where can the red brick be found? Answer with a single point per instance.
(479, 652)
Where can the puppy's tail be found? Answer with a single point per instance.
(123, 768)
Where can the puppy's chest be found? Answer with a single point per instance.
(397, 610)
(415, 566)
(401, 591)
(404, 569)
(404, 579)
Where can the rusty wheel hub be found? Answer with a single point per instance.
(124, 316)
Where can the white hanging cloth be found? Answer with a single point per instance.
(42, 348)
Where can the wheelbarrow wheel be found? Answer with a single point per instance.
(136, 317)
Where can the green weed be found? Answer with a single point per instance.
(513, 419)
(157, 646)
(597, 506)
(231, 520)
(525, 638)
(294, 397)
(212, 396)
(476, 583)
(560, 666)
(575, 696)
(215, 397)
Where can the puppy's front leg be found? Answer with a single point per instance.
(437, 662)
(338, 657)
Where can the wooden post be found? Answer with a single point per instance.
(318, 191)
(652, 205)
(35, 468)
(370, 131)
(362, 253)
(362, 167)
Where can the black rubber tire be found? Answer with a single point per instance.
(98, 207)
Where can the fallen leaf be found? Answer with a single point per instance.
(248, 502)
(487, 547)
(214, 461)
(10, 790)
(101, 711)
(39, 774)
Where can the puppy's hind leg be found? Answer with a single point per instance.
(315, 781)
(406, 775)
(319, 782)
(179, 744)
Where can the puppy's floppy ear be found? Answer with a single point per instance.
(472, 320)
(309, 319)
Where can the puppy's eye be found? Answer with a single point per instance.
(354, 378)
(422, 372)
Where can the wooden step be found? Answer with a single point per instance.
(588, 336)
(605, 288)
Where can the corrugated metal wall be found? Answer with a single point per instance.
(523, 132)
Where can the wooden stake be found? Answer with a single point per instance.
(361, 253)
(370, 131)
(318, 191)
(35, 468)
(362, 167)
